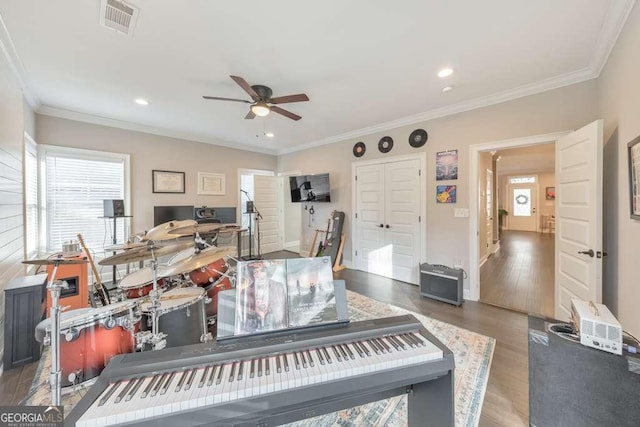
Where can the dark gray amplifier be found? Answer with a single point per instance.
(442, 283)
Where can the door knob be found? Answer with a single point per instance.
(387, 226)
(589, 252)
(381, 225)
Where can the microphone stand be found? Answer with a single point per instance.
(258, 217)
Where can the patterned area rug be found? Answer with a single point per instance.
(473, 353)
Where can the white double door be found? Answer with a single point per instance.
(387, 219)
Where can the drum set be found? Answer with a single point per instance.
(168, 305)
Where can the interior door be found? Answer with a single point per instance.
(402, 212)
(489, 210)
(370, 218)
(387, 223)
(523, 201)
(578, 239)
(267, 198)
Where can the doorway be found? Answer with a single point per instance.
(502, 194)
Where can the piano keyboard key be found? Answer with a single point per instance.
(134, 389)
(149, 386)
(278, 366)
(204, 377)
(124, 391)
(113, 388)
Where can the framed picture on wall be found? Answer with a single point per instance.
(212, 184)
(550, 193)
(168, 181)
(634, 177)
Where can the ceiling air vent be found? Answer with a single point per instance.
(118, 15)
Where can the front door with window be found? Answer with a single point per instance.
(523, 202)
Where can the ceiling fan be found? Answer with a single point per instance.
(262, 102)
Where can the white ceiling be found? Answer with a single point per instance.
(367, 65)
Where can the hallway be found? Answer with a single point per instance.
(520, 276)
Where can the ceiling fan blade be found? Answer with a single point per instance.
(226, 99)
(250, 115)
(285, 113)
(300, 97)
(247, 88)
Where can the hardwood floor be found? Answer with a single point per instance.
(507, 396)
(520, 275)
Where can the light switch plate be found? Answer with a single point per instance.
(461, 213)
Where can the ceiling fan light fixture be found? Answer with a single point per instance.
(260, 109)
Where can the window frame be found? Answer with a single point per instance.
(81, 154)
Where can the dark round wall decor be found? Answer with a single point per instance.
(385, 144)
(359, 148)
(418, 138)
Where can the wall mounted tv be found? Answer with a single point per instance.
(310, 188)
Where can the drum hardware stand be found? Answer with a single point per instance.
(155, 338)
(56, 372)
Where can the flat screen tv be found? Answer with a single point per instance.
(310, 188)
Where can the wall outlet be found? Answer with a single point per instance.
(457, 263)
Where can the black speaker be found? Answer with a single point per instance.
(442, 283)
(113, 208)
(574, 385)
(249, 207)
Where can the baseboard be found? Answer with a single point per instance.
(466, 294)
(483, 260)
(292, 246)
(496, 247)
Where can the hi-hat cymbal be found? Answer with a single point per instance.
(52, 261)
(162, 231)
(141, 254)
(197, 228)
(126, 246)
(198, 260)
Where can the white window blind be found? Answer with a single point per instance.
(31, 198)
(75, 186)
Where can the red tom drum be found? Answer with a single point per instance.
(140, 283)
(209, 274)
(222, 284)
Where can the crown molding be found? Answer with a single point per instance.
(461, 107)
(17, 67)
(121, 124)
(611, 28)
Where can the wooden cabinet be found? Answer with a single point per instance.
(23, 310)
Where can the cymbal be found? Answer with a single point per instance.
(198, 260)
(232, 228)
(126, 246)
(52, 261)
(141, 254)
(161, 232)
(197, 228)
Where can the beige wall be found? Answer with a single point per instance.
(12, 112)
(148, 152)
(619, 105)
(448, 237)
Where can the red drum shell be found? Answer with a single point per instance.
(89, 353)
(142, 290)
(223, 284)
(209, 274)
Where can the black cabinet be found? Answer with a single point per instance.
(24, 299)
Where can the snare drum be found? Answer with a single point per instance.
(223, 284)
(180, 316)
(90, 337)
(140, 283)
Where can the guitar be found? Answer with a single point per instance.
(322, 247)
(100, 290)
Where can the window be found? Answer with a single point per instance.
(30, 197)
(246, 184)
(522, 180)
(75, 183)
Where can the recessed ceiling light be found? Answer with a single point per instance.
(445, 72)
(447, 89)
(141, 101)
(269, 134)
